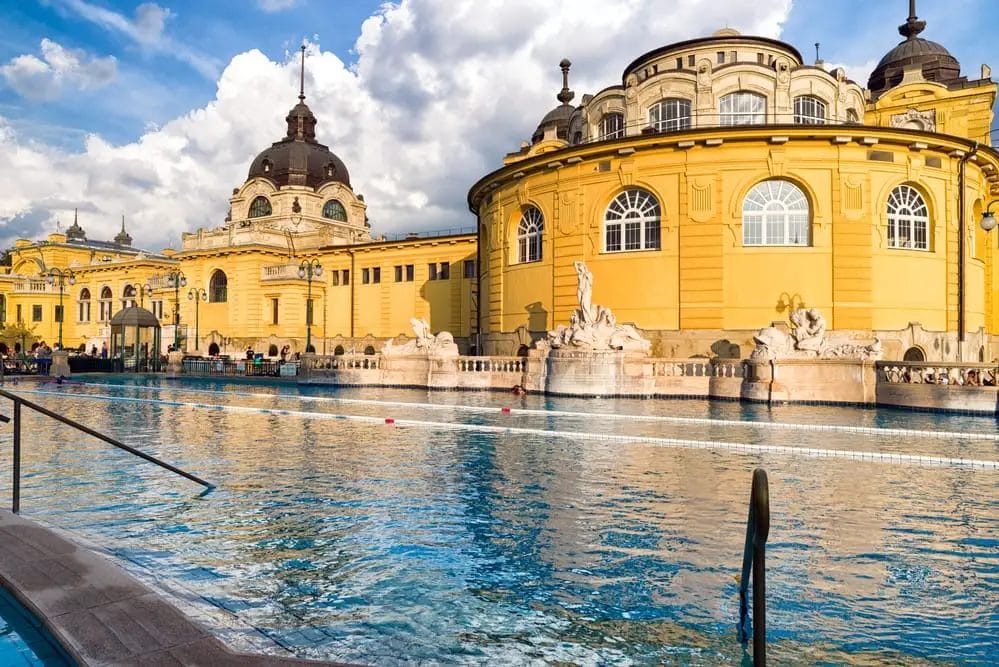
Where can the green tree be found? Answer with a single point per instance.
(18, 333)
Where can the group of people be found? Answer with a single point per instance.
(971, 377)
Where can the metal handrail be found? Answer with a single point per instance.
(754, 559)
(18, 402)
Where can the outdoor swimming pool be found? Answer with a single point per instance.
(584, 531)
(23, 641)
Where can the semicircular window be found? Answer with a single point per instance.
(260, 207)
(775, 212)
(632, 222)
(334, 210)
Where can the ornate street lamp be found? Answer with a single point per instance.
(144, 291)
(309, 269)
(60, 277)
(988, 221)
(197, 295)
(177, 279)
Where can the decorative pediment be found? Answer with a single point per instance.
(914, 119)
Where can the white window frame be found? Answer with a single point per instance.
(908, 219)
(530, 235)
(809, 110)
(632, 222)
(670, 115)
(611, 125)
(776, 212)
(742, 108)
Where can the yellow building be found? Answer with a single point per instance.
(721, 184)
(724, 182)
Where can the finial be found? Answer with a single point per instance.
(122, 222)
(301, 87)
(565, 95)
(75, 211)
(912, 26)
(817, 59)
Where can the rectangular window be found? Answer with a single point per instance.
(336, 278)
(432, 268)
(274, 311)
(445, 271)
(611, 126)
(410, 273)
(733, 56)
(469, 268)
(721, 57)
(345, 278)
(679, 63)
(760, 58)
(365, 276)
(691, 59)
(19, 317)
(376, 274)
(398, 273)
(36, 313)
(58, 314)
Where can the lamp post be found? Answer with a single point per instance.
(60, 277)
(988, 221)
(144, 291)
(176, 278)
(307, 269)
(197, 295)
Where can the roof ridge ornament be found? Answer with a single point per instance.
(301, 83)
(912, 26)
(565, 95)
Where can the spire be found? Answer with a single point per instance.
(565, 95)
(301, 120)
(301, 84)
(123, 238)
(912, 26)
(75, 232)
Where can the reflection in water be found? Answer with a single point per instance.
(383, 544)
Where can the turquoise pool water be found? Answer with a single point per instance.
(23, 641)
(583, 531)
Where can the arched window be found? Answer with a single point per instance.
(218, 287)
(914, 354)
(272, 350)
(852, 116)
(530, 232)
(369, 350)
(908, 219)
(775, 213)
(84, 306)
(338, 350)
(611, 126)
(105, 303)
(213, 350)
(809, 111)
(334, 210)
(260, 207)
(670, 115)
(128, 297)
(632, 222)
(743, 108)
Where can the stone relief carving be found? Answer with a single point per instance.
(424, 343)
(808, 340)
(593, 326)
(916, 120)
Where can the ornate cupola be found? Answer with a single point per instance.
(299, 159)
(122, 238)
(558, 118)
(75, 231)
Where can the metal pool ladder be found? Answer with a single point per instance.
(18, 402)
(754, 559)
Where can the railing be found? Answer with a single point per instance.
(938, 373)
(234, 367)
(345, 362)
(696, 368)
(16, 480)
(20, 366)
(280, 272)
(411, 236)
(754, 559)
(491, 364)
(34, 287)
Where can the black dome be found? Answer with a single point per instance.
(936, 61)
(557, 118)
(299, 159)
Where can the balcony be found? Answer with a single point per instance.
(35, 287)
(276, 272)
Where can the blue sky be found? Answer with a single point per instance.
(154, 110)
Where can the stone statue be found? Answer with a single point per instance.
(424, 343)
(808, 340)
(593, 326)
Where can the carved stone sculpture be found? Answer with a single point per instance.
(594, 326)
(424, 343)
(808, 340)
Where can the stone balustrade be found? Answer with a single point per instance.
(732, 368)
(328, 363)
(938, 373)
(491, 364)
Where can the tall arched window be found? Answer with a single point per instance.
(334, 210)
(908, 219)
(670, 115)
(611, 126)
(775, 213)
(128, 297)
(260, 207)
(742, 108)
(218, 287)
(809, 111)
(105, 303)
(632, 222)
(530, 232)
(84, 306)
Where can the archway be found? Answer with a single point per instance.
(914, 353)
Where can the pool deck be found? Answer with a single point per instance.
(100, 614)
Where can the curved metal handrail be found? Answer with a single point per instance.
(18, 402)
(754, 560)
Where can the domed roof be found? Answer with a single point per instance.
(559, 116)
(299, 159)
(936, 61)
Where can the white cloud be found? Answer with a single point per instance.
(45, 78)
(858, 73)
(440, 91)
(276, 5)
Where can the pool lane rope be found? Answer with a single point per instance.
(680, 443)
(701, 421)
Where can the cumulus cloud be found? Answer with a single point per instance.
(45, 78)
(440, 91)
